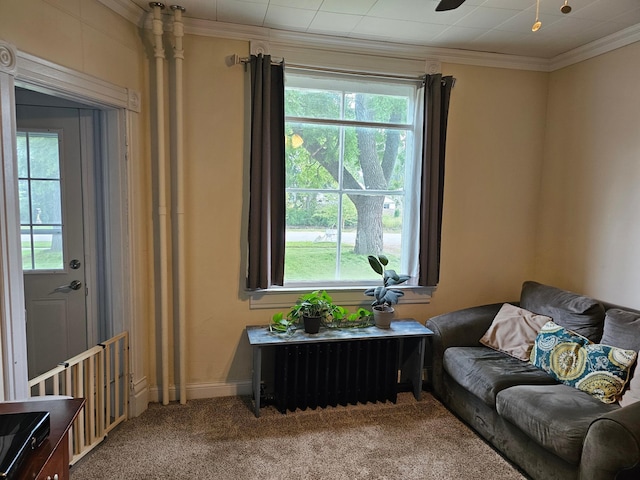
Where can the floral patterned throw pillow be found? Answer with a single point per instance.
(574, 360)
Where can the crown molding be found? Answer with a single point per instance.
(210, 28)
(128, 10)
(598, 47)
(47, 77)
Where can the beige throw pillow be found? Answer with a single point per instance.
(513, 331)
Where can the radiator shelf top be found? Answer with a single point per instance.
(402, 328)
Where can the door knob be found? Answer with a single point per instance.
(74, 285)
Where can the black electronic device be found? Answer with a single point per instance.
(19, 434)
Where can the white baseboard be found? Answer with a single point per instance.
(138, 398)
(204, 390)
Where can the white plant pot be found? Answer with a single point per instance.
(382, 318)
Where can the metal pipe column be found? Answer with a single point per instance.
(163, 214)
(178, 54)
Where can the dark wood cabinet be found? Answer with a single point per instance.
(50, 461)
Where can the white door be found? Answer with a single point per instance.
(51, 218)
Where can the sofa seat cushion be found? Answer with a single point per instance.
(556, 417)
(485, 372)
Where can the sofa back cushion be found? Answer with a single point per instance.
(575, 312)
(622, 329)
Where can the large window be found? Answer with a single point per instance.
(350, 177)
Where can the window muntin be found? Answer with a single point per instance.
(349, 166)
(40, 200)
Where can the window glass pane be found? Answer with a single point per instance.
(25, 240)
(312, 103)
(370, 153)
(353, 266)
(376, 108)
(23, 194)
(311, 151)
(43, 155)
(309, 210)
(23, 168)
(312, 220)
(45, 201)
(47, 248)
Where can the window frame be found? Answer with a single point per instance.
(350, 293)
(58, 133)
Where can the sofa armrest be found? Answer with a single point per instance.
(462, 328)
(612, 446)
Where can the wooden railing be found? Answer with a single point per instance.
(99, 375)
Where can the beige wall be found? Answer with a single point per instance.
(79, 34)
(493, 176)
(494, 153)
(589, 224)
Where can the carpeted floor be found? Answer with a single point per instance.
(221, 439)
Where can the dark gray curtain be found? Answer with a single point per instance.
(267, 170)
(436, 110)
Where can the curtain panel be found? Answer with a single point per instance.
(436, 110)
(266, 233)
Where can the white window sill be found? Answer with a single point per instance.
(283, 297)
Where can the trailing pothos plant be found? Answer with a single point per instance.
(319, 303)
(384, 296)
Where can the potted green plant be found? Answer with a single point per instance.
(310, 310)
(384, 296)
(315, 309)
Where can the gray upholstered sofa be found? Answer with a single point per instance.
(549, 429)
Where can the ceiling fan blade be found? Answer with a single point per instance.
(445, 5)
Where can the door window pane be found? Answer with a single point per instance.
(44, 159)
(47, 248)
(45, 202)
(39, 186)
(23, 167)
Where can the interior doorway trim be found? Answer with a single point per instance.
(118, 107)
(12, 317)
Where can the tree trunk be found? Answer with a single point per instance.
(369, 239)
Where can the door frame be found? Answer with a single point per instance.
(118, 110)
(89, 122)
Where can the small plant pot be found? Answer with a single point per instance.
(311, 324)
(382, 316)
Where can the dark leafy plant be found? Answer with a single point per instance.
(385, 296)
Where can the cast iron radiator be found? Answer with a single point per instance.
(335, 373)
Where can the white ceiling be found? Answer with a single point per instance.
(498, 26)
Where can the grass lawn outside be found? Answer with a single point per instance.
(306, 261)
